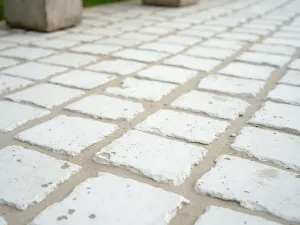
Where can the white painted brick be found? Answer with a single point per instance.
(194, 63)
(2, 221)
(142, 89)
(80, 37)
(216, 215)
(117, 66)
(222, 43)
(285, 94)
(55, 43)
(96, 49)
(6, 62)
(34, 71)
(27, 177)
(167, 74)
(211, 104)
(82, 79)
(255, 186)
(278, 115)
(139, 36)
(67, 135)
(276, 49)
(185, 126)
(8, 83)
(46, 95)
(207, 52)
(282, 41)
(120, 41)
(239, 36)
(295, 65)
(28, 53)
(70, 59)
(138, 152)
(178, 39)
(105, 107)
(163, 47)
(231, 85)
(245, 70)
(140, 55)
(268, 145)
(133, 203)
(264, 58)
(292, 77)
(14, 115)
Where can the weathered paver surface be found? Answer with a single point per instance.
(152, 115)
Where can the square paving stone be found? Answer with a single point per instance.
(142, 89)
(231, 85)
(255, 186)
(108, 199)
(34, 71)
(217, 216)
(82, 79)
(163, 47)
(46, 95)
(167, 74)
(57, 44)
(67, 135)
(28, 53)
(97, 49)
(181, 40)
(8, 83)
(140, 55)
(14, 115)
(198, 33)
(206, 52)
(292, 77)
(80, 37)
(284, 34)
(211, 104)
(117, 66)
(119, 41)
(239, 36)
(184, 126)
(222, 43)
(273, 49)
(70, 59)
(194, 63)
(282, 41)
(285, 94)
(295, 65)
(27, 176)
(6, 62)
(4, 45)
(138, 152)
(267, 145)
(139, 36)
(245, 70)
(278, 115)
(104, 107)
(264, 58)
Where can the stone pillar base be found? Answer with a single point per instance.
(175, 3)
(42, 15)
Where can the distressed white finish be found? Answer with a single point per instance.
(292, 77)
(285, 94)
(67, 135)
(27, 176)
(140, 55)
(138, 152)
(8, 83)
(264, 58)
(255, 186)
(207, 52)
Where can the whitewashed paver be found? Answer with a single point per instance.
(139, 36)
(182, 40)
(133, 203)
(101, 106)
(46, 95)
(292, 77)
(245, 70)
(285, 94)
(14, 115)
(198, 33)
(117, 66)
(273, 49)
(168, 74)
(34, 71)
(80, 37)
(96, 49)
(255, 186)
(185, 126)
(28, 53)
(206, 52)
(278, 115)
(295, 65)
(2, 221)
(163, 47)
(6, 62)
(104, 31)
(222, 43)
(140, 55)
(57, 44)
(27, 177)
(142, 89)
(217, 216)
(119, 41)
(194, 63)
(82, 79)
(264, 58)
(268, 145)
(211, 104)
(138, 151)
(67, 135)
(261, 32)
(239, 36)
(8, 83)
(284, 34)
(281, 41)
(4, 45)
(157, 30)
(231, 85)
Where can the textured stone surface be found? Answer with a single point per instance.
(255, 186)
(97, 49)
(140, 55)
(163, 47)
(138, 151)
(264, 58)
(276, 49)
(205, 52)
(152, 205)
(28, 53)
(222, 43)
(27, 177)
(67, 135)
(295, 65)
(6, 62)
(55, 43)
(8, 83)
(285, 94)
(292, 77)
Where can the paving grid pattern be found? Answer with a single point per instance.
(117, 41)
